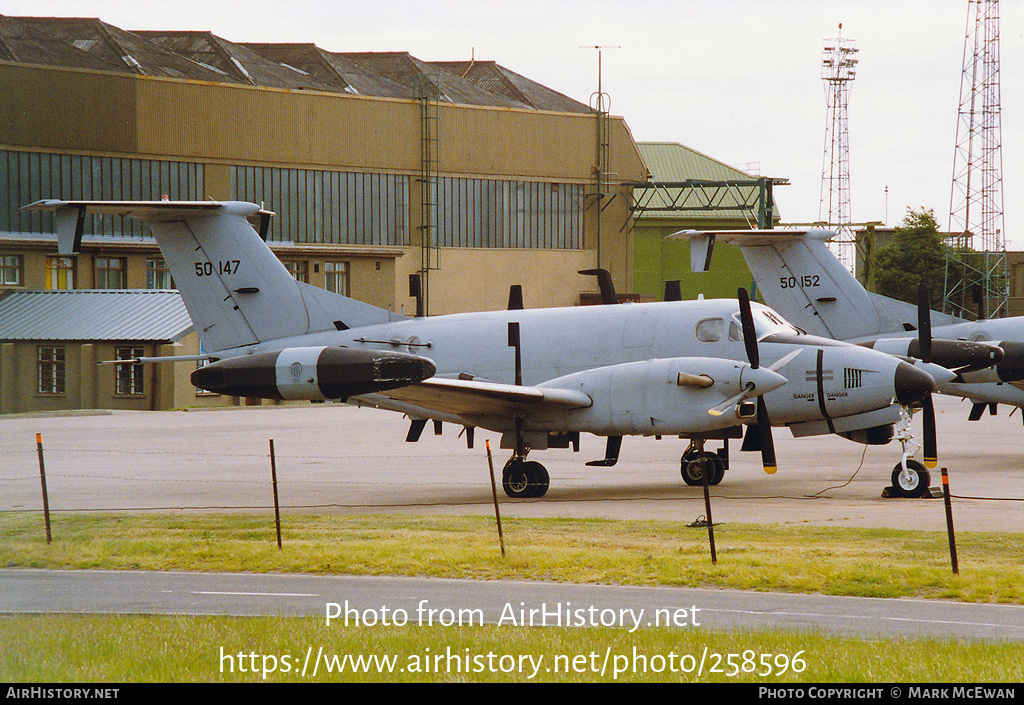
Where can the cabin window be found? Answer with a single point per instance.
(710, 330)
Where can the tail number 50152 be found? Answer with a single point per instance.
(807, 281)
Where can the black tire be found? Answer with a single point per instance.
(515, 481)
(538, 477)
(523, 479)
(914, 482)
(691, 467)
(717, 470)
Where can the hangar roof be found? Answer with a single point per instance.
(334, 69)
(498, 79)
(87, 315)
(235, 60)
(671, 161)
(92, 44)
(447, 87)
(130, 52)
(20, 41)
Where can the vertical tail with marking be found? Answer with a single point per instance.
(235, 289)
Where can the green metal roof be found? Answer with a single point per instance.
(672, 163)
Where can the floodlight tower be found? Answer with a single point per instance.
(976, 280)
(838, 69)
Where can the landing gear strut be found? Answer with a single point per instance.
(910, 479)
(522, 478)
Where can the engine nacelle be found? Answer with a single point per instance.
(1009, 369)
(664, 397)
(951, 354)
(313, 373)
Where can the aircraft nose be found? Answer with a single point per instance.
(911, 383)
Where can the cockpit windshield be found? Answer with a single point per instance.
(767, 322)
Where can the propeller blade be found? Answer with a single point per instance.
(783, 361)
(924, 323)
(729, 403)
(749, 334)
(931, 455)
(924, 331)
(764, 424)
(764, 428)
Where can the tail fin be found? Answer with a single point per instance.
(800, 277)
(235, 289)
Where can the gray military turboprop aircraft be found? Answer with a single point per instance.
(691, 369)
(801, 277)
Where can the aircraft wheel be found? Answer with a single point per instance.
(539, 478)
(718, 470)
(913, 481)
(692, 469)
(522, 480)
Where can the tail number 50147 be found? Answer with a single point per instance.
(208, 269)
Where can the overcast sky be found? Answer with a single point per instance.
(739, 80)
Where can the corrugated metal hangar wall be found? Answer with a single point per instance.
(506, 195)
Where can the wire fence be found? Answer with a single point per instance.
(87, 478)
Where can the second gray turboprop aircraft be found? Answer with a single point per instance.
(540, 377)
(800, 276)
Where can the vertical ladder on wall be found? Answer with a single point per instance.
(429, 141)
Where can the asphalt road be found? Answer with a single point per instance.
(429, 601)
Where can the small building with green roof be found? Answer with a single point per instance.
(692, 191)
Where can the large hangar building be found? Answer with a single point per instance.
(378, 166)
(383, 170)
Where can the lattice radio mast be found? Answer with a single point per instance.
(976, 280)
(838, 69)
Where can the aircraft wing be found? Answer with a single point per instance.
(468, 398)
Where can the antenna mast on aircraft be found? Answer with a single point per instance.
(838, 69)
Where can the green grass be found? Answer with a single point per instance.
(114, 649)
(860, 562)
(833, 561)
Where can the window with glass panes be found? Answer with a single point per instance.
(60, 272)
(298, 269)
(129, 374)
(158, 276)
(110, 273)
(10, 270)
(50, 369)
(336, 277)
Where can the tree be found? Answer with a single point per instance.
(916, 255)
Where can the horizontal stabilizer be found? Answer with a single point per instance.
(69, 216)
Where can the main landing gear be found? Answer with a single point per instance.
(696, 461)
(524, 479)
